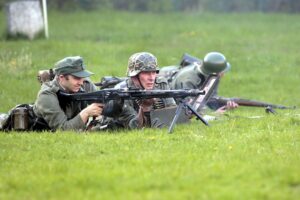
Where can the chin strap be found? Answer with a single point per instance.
(139, 81)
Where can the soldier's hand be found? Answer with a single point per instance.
(221, 110)
(93, 110)
(229, 106)
(146, 104)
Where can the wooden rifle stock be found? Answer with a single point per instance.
(252, 103)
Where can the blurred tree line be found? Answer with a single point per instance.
(292, 6)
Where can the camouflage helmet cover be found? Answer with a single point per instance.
(140, 62)
(213, 63)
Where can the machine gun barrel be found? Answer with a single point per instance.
(105, 95)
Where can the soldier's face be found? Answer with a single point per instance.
(147, 79)
(71, 83)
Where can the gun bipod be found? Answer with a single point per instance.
(183, 105)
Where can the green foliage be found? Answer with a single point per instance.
(234, 158)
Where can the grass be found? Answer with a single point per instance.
(234, 158)
(220, 162)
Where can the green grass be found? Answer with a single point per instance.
(234, 158)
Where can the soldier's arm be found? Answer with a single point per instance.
(164, 85)
(129, 117)
(47, 107)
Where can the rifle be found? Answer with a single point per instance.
(105, 95)
(209, 87)
(253, 103)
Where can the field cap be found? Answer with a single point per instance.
(72, 65)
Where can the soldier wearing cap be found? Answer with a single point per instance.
(142, 72)
(71, 76)
(194, 74)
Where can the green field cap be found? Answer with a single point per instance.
(72, 65)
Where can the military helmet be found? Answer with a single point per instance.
(213, 63)
(140, 62)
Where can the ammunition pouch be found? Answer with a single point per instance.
(45, 76)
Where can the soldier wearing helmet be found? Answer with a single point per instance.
(142, 73)
(193, 72)
(193, 75)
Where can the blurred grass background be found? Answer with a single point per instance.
(234, 158)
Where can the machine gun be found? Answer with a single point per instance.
(105, 95)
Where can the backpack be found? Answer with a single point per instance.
(109, 81)
(22, 118)
(187, 60)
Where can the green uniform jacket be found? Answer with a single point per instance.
(189, 77)
(128, 117)
(57, 113)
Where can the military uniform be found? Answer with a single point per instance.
(55, 111)
(188, 77)
(59, 115)
(194, 75)
(131, 114)
(128, 117)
